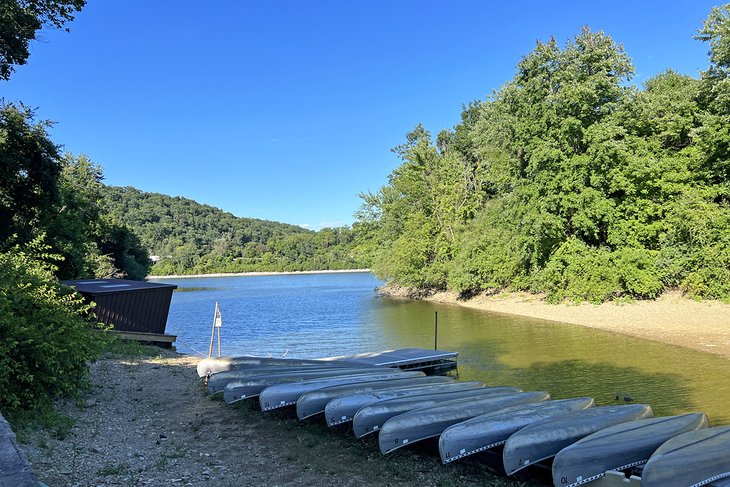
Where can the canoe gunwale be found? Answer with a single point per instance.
(469, 394)
(454, 386)
(408, 442)
(439, 418)
(324, 383)
(472, 452)
(621, 447)
(714, 478)
(318, 405)
(532, 463)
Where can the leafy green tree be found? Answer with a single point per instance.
(45, 344)
(59, 197)
(192, 238)
(569, 181)
(29, 171)
(714, 135)
(20, 21)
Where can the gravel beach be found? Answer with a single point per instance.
(148, 422)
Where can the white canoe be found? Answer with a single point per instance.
(214, 365)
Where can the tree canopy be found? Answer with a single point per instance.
(57, 198)
(568, 180)
(191, 238)
(20, 21)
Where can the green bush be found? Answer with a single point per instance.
(45, 344)
(695, 253)
(579, 273)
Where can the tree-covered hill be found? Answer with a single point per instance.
(569, 180)
(190, 237)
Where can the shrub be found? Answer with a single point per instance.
(579, 272)
(45, 344)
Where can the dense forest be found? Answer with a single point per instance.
(568, 180)
(191, 238)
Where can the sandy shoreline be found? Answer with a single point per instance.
(672, 318)
(245, 274)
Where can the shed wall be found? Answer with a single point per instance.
(144, 310)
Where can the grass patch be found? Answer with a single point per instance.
(26, 423)
(312, 446)
(118, 348)
(113, 469)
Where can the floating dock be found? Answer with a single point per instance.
(432, 362)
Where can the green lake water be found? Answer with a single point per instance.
(336, 314)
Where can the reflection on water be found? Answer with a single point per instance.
(187, 289)
(567, 360)
(336, 314)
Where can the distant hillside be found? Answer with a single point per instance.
(190, 237)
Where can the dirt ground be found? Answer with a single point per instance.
(147, 421)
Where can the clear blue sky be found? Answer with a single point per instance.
(286, 110)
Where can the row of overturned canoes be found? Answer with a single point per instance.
(577, 439)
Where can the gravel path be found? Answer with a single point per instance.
(148, 422)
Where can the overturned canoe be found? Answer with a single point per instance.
(619, 447)
(252, 386)
(429, 361)
(491, 430)
(369, 419)
(282, 395)
(218, 382)
(314, 402)
(424, 423)
(543, 440)
(723, 482)
(214, 365)
(342, 409)
(694, 458)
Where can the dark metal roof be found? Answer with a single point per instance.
(105, 286)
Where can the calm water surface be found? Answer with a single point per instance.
(320, 315)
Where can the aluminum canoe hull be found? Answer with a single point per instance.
(492, 430)
(693, 458)
(424, 423)
(342, 409)
(543, 440)
(252, 386)
(314, 402)
(282, 395)
(619, 447)
(214, 365)
(217, 382)
(369, 419)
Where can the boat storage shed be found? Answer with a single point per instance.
(137, 307)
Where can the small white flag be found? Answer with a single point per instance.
(218, 320)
